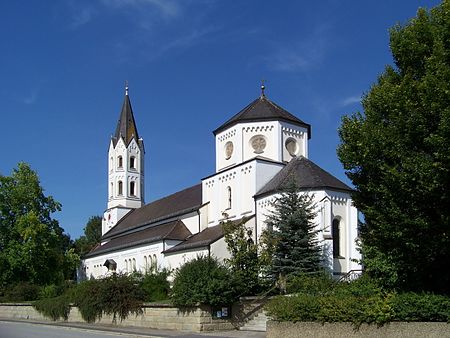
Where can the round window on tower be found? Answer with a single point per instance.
(291, 146)
(258, 143)
(228, 150)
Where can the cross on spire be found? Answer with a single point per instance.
(262, 88)
(126, 87)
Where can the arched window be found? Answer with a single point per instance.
(119, 162)
(336, 238)
(126, 265)
(155, 263)
(111, 163)
(229, 197)
(134, 264)
(132, 188)
(145, 263)
(132, 162)
(120, 188)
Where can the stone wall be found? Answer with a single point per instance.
(347, 330)
(154, 316)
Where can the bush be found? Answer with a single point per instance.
(203, 281)
(155, 286)
(361, 301)
(23, 291)
(54, 308)
(117, 295)
(311, 284)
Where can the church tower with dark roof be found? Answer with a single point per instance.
(125, 168)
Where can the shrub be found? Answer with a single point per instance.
(361, 301)
(311, 284)
(50, 291)
(54, 308)
(23, 291)
(117, 295)
(155, 286)
(203, 281)
(421, 307)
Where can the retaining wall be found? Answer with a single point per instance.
(154, 316)
(347, 330)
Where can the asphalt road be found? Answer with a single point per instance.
(31, 330)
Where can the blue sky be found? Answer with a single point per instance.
(191, 65)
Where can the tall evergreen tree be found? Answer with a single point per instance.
(397, 155)
(293, 234)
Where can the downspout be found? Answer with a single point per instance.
(199, 219)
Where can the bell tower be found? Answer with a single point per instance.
(125, 168)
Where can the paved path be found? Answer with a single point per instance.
(21, 329)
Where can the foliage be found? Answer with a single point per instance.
(116, 295)
(155, 286)
(32, 244)
(358, 302)
(291, 234)
(203, 280)
(311, 284)
(55, 308)
(244, 261)
(22, 291)
(91, 237)
(396, 153)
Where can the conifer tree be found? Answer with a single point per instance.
(293, 234)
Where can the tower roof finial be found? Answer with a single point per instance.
(126, 87)
(262, 88)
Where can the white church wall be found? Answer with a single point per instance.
(228, 148)
(191, 221)
(219, 249)
(294, 141)
(265, 172)
(127, 260)
(260, 139)
(176, 259)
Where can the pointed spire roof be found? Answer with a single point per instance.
(263, 109)
(126, 127)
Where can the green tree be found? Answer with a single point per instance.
(397, 155)
(292, 234)
(32, 244)
(91, 237)
(203, 280)
(244, 261)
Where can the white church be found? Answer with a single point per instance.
(257, 152)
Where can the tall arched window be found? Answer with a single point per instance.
(126, 265)
(120, 162)
(111, 163)
(145, 263)
(229, 197)
(132, 162)
(132, 188)
(336, 238)
(134, 264)
(120, 188)
(155, 263)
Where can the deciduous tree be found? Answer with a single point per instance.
(32, 244)
(397, 155)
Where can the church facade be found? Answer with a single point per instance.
(257, 151)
